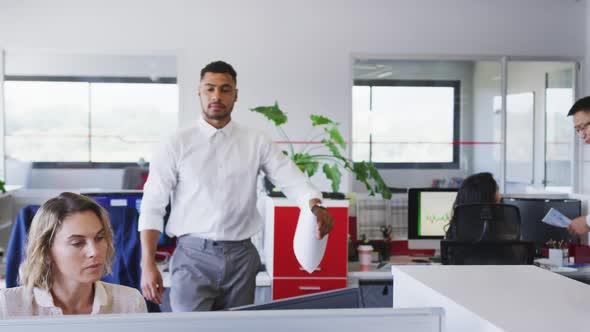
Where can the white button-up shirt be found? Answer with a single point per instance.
(108, 299)
(210, 177)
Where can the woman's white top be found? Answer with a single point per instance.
(108, 299)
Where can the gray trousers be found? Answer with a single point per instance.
(212, 275)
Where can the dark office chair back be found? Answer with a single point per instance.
(486, 222)
(487, 253)
(15, 252)
(486, 234)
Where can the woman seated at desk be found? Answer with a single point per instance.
(477, 188)
(69, 248)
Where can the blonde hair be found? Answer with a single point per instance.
(36, 269)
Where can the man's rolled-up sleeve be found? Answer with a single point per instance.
(283, 173)
(159, 186)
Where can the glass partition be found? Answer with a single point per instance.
(539, 146)
(559, 96)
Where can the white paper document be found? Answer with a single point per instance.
(556, 218)
(308, 249)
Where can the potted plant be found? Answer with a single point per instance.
(333, 162)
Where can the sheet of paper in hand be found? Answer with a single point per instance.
(556, 218)
(309, 251)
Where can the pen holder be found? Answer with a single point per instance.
(558, 257)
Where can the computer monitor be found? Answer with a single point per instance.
(345, 298)
(106, 199)
(532, 211)
(429, 211)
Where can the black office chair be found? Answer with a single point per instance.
(486, 234)
(486, 222)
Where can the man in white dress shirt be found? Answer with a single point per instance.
(209, 173)
(581, 113)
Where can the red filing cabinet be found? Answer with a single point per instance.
(288, 278)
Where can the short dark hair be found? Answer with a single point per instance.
(583, 104)
(220, 67)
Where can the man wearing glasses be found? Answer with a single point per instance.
(581, 113)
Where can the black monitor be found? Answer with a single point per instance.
(345, 298)
(532, 211)
(429, 211)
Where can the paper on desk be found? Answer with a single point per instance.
(308, 249)
(556, 218)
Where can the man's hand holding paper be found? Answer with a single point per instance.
(325, 222)
(556, 218)
(579, 226)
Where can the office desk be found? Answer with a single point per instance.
(495, 298)
(342, 320)
(582, 274)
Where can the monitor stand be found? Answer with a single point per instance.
(432, 244)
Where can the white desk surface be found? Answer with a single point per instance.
(511, 298)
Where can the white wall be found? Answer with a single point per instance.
(47, 63)
(296, 52)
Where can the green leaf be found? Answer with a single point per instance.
(361, 171)
(306, 163)
(318, 120)
(334, 175)
(336, 136)
(310, 168)
(333, 148)
(273, 113)
(382, 188)
(301, 158)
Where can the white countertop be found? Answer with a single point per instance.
(507, 297)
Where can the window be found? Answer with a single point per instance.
(87, 120)
(406, 123)
(559, 96)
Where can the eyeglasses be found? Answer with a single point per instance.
(580, 128)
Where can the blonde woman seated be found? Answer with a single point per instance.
(69, 248)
